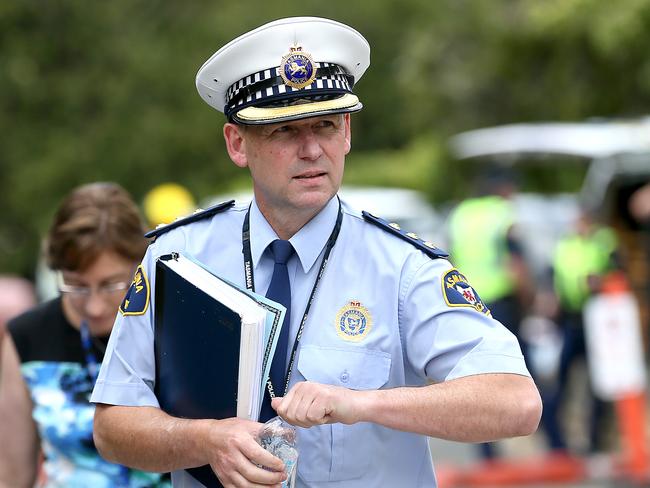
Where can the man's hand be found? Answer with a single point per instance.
(234, 454)
(149, 439)
(308, 404)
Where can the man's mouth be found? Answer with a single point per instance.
(311, 174)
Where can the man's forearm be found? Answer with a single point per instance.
(471, 409)
(147, 438)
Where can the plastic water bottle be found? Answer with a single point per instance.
(279, 438)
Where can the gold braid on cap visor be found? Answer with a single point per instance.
(259, 114)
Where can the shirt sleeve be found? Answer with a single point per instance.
(127, 374)
(447, 330)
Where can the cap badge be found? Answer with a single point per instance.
(297, 68)
(353, 322)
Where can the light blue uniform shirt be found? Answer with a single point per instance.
(379, 320)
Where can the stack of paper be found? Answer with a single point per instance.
(214, 342)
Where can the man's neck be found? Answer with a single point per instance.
(287, 224)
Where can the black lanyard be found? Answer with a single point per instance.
(250, 283)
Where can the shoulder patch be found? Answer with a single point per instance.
(136, 300)
(459, 293)
(198, 214)
(427, 247)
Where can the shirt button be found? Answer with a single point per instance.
(344, 377)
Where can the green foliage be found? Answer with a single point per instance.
(105, 90)
(411, 167)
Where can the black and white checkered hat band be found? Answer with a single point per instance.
(329, 78)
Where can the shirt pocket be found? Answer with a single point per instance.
(338, 452)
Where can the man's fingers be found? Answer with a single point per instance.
(245, 473)
(276, 402)
(298, 406)
(239, 460)
(318, 412)
(305, 405)
(237, 480)
(261, 476)
(256, 454)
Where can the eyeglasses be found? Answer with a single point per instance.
(83, 293)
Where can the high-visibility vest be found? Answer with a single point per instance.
(478, 231)
(576, 258)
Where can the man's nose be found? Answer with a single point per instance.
(310, 148)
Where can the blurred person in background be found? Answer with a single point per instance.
(16, 295)
(162, 204)
(581, 260)
(52, 353)
(484, 244)
(639, 205)
(166, 202)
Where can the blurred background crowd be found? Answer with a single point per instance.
(515, 134)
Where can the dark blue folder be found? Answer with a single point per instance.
(197, 354)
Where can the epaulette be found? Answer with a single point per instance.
(198, 214)
(428, 247)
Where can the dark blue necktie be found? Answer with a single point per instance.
(279, 291)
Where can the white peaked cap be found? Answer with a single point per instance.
(288, 69)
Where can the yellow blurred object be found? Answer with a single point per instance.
(167, 201)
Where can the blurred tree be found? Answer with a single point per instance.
(104, 90)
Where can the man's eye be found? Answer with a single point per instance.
(324, 124)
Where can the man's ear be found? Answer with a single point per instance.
(235, 144)
(348, 132)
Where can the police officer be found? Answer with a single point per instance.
(486, 247)
(376, 315)
(581, 259)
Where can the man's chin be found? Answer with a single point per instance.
(316, 198)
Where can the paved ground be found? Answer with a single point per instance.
(451, 456)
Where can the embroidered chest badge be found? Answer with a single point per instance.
(136, 300)
(459, 293)
(353, 322)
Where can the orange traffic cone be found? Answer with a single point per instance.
(630, 412)
(630, 409)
